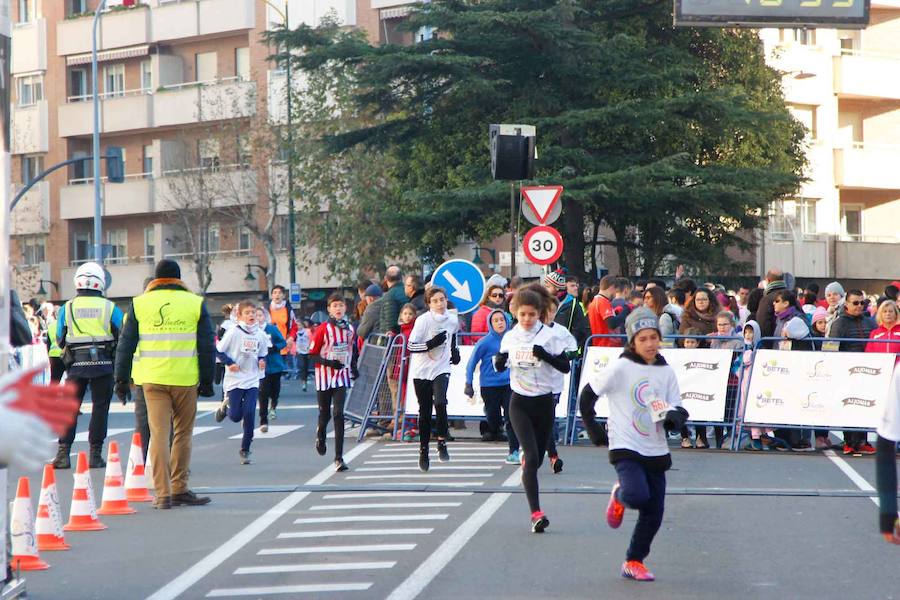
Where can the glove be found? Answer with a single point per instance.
(23, 439)
(500, 360)
(206, 390)
(123, 391)
(437, 340)
(454, 355)
(354, 373)
(470, 391)
(56, 405)
(675, 419)
(596, 433)
(334, 364)
(540, 353)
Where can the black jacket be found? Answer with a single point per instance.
(128, 340)
(853, 327)
(573, 318)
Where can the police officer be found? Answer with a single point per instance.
(86, 330)
(169, 329)
(53, 350)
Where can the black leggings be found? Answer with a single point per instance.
(432, 393)
(532, 420)
(331, 403)
(269, 389)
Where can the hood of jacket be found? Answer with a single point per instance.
(757, 332)
(491, 330)
(659, 361)
(674, 310)
(796, 328)
(166, 283)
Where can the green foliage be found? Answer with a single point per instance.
(675, 139)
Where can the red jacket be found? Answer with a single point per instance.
(888, 340)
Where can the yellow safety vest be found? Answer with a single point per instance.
(88, 320)
(167, 338)
(55, 350)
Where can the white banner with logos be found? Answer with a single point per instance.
(822, 389)
(702, 378)
(460, 405)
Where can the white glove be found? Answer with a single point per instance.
(25, 440)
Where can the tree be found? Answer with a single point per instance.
(674, 139)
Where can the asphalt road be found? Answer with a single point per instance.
(286, 526)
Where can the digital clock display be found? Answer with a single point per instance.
(773, 13)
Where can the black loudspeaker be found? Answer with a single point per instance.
(512, 152)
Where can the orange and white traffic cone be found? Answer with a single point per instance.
(136, 477)
(21, 528)
(49, 528)
(83, 516)
(114, 500)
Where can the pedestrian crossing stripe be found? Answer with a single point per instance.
(275, 431)
(82, 436)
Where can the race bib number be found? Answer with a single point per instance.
(524, 358)
(340, 353)
(831, 346)
(250, 346)
(658, 409)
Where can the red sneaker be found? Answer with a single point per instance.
(615, 510)
(866, 448)
(635, 569)
(848, 449)
(539, 522)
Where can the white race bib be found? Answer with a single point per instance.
(523, 357)
(340, 352)
(250, 346)
(658, 408)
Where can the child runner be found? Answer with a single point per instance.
(304, 338)
(644, 402)
(432, 343)
(494, 386)
(533, 354)
(333, 350)
(886, 464)
(571, 349)
(243, 350)
(270, 384)
(398, 367)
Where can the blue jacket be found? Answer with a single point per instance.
(484, 352)
(274, 361)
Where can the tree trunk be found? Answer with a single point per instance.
(272, 268)
(572, 230)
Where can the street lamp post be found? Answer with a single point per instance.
(98, 243)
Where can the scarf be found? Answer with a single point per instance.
(342, 324)
(278, 305)
(787, 313)
(249, 329)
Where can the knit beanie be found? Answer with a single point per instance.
(640, 318)
(820, 314)
(495, 279)
(556, 278)
(168, 269)
(775, 285)
(374, 291)
(835, 287)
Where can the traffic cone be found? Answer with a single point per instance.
(114, 500)
(83, 516)
(136, 477)
(21, 528)
(49, 527)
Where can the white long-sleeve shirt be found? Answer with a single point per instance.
(528, 375)
(428, 364)
(244, 346)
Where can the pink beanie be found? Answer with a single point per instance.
(820, 314)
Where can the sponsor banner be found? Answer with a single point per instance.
(826, 389)
(460, 405)
(702, 378)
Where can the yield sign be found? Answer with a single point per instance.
(542, 199)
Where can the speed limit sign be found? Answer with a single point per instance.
(543, 245)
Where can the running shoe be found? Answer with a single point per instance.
(635, 569)
(424, 461)
(340, 466)
(273, 415)
(221, 411)
(264, 428)
(755, 445)
(686, 443)
(848, 449)
(245, 457)
(615, 510)
(866, 448)
(701, 444)
(539, 522)
(513, 458)
(556, 463)
(320, 446)
(823, 443)
(802, 446)
(443, 455)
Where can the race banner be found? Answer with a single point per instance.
(821, 389)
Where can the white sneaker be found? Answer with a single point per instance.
(272, 414)
(264, 428)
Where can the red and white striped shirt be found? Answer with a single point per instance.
(332, 343)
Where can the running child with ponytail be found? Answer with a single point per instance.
(644, 403)
(534, 354)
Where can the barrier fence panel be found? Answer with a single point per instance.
(363, 395)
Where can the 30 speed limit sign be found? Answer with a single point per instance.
(543, 245)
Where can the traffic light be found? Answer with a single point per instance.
(512, 152)
(115, 165)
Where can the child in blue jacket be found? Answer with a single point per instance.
(494, 386)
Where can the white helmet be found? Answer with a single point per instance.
(90, 276)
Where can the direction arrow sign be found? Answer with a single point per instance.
(463, 281)
(542, 199)
(543, 245)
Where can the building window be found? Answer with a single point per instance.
(114, 80)
(79, 87)
(245, 240)
(33, 249)
(802, 36)
(148, 161)
(806, 114)
(27, 11)
(242, 63)
(76, 7)
(284, 233)
(852, 221)
(208, 152)
(795, 217)
(82, 247)
(32, 166)
(206, 65)
(30, 90)
(243, 149)
(149, 244)
(146, 76)
(116, 246)
(209, 238)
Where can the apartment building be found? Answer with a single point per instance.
(844, 86)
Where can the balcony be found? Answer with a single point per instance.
(220, 16)
(867, 167)
(29, 47)
(30, 129)
(118, 28)
(122, 111)
(866, 260)
(196, 102)
(32, 214)
(228, 271)
(127, 279)
(225, 186)
(133, 197)
(862, 75)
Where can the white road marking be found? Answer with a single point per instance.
(420, 476)
(289, 589)
(357, 566)
(386, 505)
(439, 483)
(275, 431)
(83, 435)
(199, 430)
(206, 565)
(450, 445)
(292, 535)
(852, 474)
(370, 519)
(413, 461)
(433, 468)
(337, 549)
(433, 453)
(344, 495)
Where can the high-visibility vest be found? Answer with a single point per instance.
(55, 350)
(88, 320)
(167, 337)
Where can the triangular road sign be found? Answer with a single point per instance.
(541, 199)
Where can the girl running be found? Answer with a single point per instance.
(533, 353)
(333, 350)
(644, 403)
(432, 343)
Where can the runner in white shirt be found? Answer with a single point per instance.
(886, 464)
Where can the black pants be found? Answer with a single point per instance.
(496, 400)
(331, 403)
(56, 369)
(644, 491)
(101, 394)
(532, 420)
(141, 424)
(302, 367)
(269, 389)
(854, 439)
(432, 394)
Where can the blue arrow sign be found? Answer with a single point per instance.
(463, 281)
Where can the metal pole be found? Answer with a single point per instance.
(98, 205)
(292, 241)
(512, 228)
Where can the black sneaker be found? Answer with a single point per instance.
(245, 457)
(189, 498)
(320, 446)
(220, 413)
(340, 466)
(556, 463)
(539, 522)
(424, 461)
(443, 455)
(96, 458)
